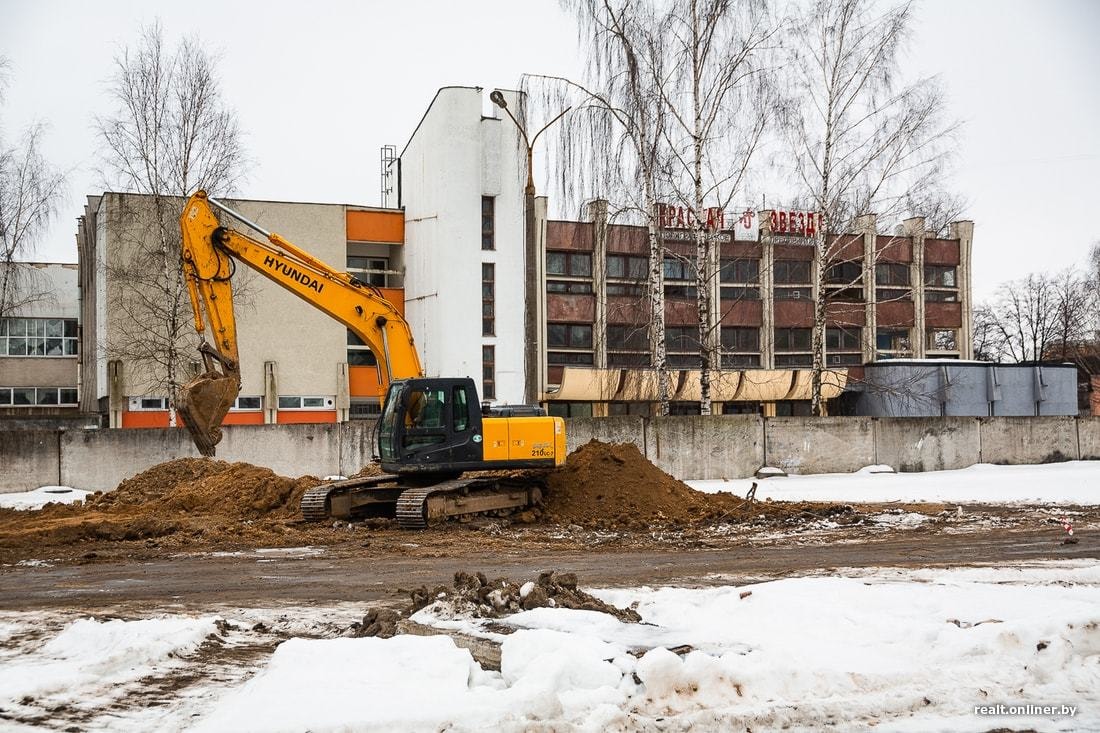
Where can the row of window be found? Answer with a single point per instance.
(33, 396)
(629, 345)
(242, 404)
(783, 408)
(787, 272)
(38, 337)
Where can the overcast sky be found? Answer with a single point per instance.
(320, 87)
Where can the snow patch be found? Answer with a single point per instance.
(40, 497)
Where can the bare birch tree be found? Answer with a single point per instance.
(1041, 316)
(860, 142)
(170, 134)
(30, 193)
(718, 106)
(613, 140)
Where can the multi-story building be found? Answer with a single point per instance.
(39, 343)
(297, 364)
(889, 296)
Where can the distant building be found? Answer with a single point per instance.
(39, 344)
(297, 364)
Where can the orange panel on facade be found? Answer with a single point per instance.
(145, 419)
(296, 417)
(376, 226)
(244, 418)
(395, 296)
(363, 381)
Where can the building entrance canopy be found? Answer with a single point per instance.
(586, 384)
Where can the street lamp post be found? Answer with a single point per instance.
(532, 387)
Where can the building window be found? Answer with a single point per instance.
(891, 273)
(566, 358)
(569, 409)
(844, 273)
(792, 272)
(359, 354)
(246, 404)
(488, 223)
(793, 339)
(942, 339)
(295, 402)
(793, 408)
(940, 296)
(37, 396)
(569, 336)
(627, 267)
(678, 268)
(739, 271)
(628, 345)
(740, 293)
(844, 339)
(939, 276)
(569, 264)
(488, 299)
(740, 346)
(364, 410)
(803, 293)
(794, 361)
(370, 270)
(636, 290)
(488, 372)
(38, 337)
(570, 287)
(894, 340)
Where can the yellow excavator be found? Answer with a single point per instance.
(431, 431)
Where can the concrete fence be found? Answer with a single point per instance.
(688, 447)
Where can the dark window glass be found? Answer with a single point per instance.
(461, 409)
(630, 359)
(892, 340)
(570, 287)
(488, 372)
(844, 273)
(248, 403)
(737, 293)
(939, 276)
(569, 357)
(732, 361)
(570, 336)
(941, 296)
(740, 338)
(677, 268)
(22, 395)
(740, 271)
(488, 223)
(628, 338)
(569, 264)
(625, 289)
(488, 298)
(556, 263)
(804, 293)
(792, 272)
(884, 295)
(681, 292)
(793, 339)
(794, 360)
(682, 338)
(843, 339)
(891, 273)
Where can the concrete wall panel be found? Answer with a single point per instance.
(819, 445)
(691, 447)
(1088, 438)
(1018, 440)
(288, 450)
(98, 460)
(618, 429)
(927, 444)
(28, 459)
(356, 448)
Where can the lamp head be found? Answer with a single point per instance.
(498, 99)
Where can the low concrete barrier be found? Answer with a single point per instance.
(692, 447)
(688, 447)
(29, 459)
(927, 443)
(819, 445)
(1028, 439)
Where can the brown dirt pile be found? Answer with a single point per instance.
(613, 485)
(179, 502)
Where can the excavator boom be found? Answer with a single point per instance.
(209, 252)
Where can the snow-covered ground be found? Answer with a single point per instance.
(1073, 482)
(40, 497)
(887, 649)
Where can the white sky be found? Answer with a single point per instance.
(319, 87)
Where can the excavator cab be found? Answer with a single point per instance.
(430, 426)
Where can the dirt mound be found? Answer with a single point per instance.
(612, 484)
(197, 486)
(475, 595)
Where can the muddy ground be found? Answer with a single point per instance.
(205, 529)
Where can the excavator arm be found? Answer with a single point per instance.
(210, 251)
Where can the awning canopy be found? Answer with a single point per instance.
(589, 384)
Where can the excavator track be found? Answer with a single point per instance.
(415, 506)
(317, 503)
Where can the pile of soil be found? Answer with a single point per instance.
(613, 485)
(476, 596)
(176, 503)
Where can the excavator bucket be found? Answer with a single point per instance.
(203, 404)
